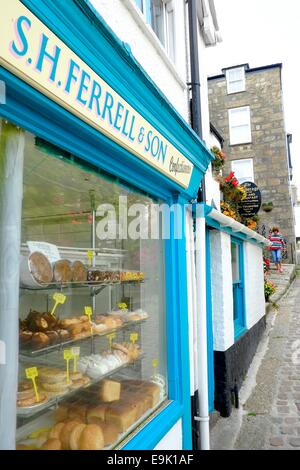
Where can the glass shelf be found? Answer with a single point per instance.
(59, 346)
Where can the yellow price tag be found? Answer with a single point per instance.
(155, 364)
(134, 337)
(90, 256)
(32, 374)
(67, 357)
(58, 299)
(89, 312)
(39, 432)
(122, 306)
(110, 338)
(76, 354)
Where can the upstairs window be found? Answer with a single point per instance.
(243, 170)
(239, 125)
(159, 14)
(235, 80)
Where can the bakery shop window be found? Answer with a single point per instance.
(91, 307)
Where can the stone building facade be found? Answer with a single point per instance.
(263, 146)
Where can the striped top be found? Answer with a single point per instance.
(277, 241)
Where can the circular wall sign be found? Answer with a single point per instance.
(251, 205)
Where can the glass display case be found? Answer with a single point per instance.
(92, 334)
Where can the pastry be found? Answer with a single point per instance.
(52, 444)
(40, 340)
(96, 414)
(121, 415)
(64, 335)
(40, 268)
(76, 329)
(100, 319)
(68, 322)
(31, 401)
(79, 272)
(25, 337)
(110, 433)
(110, 323)
(60, 387)
(56, 430)
(51, 375)
(99, 328)
(120, 347)
(62, 271)
(75, 436)
(53, 336)
(66, 433)
(83, 382)
(110, 390)
(91, 438)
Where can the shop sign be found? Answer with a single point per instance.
(31, 51)
(250, 206)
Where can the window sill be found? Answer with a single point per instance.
(149, 33)
(238, 145)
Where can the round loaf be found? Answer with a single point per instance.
(40, 268)
(75, 436)
(66, 433)
(56, 430)
(51, 444)
(91, 438)
(62, 271)
(79, 272)
(57, 387)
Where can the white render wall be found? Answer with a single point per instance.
(254, 281)
(222, 292)
(222, 299)
(173, 439)
(128, 23)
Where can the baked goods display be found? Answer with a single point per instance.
(97, 276)
(51, 383)
(84, 426)
(97, 365)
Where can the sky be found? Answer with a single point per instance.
(264, 32)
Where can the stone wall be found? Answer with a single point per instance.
(268, 148)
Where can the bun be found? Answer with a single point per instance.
(66, 433)
(56, 430)
(51, 444)
(75, 436)
(91, 438)
(40, 340)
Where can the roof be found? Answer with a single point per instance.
(247, 69)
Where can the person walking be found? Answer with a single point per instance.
(277, 246)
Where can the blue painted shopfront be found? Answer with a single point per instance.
(91, 39)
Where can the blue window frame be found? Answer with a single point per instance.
(238, 286)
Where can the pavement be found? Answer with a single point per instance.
(269, 413)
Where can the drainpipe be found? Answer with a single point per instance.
(195, 79)
(203, 417)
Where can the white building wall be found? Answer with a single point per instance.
(254, 282)
(222, 292)
(222, 297)
(173, 439)
(129, 24)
